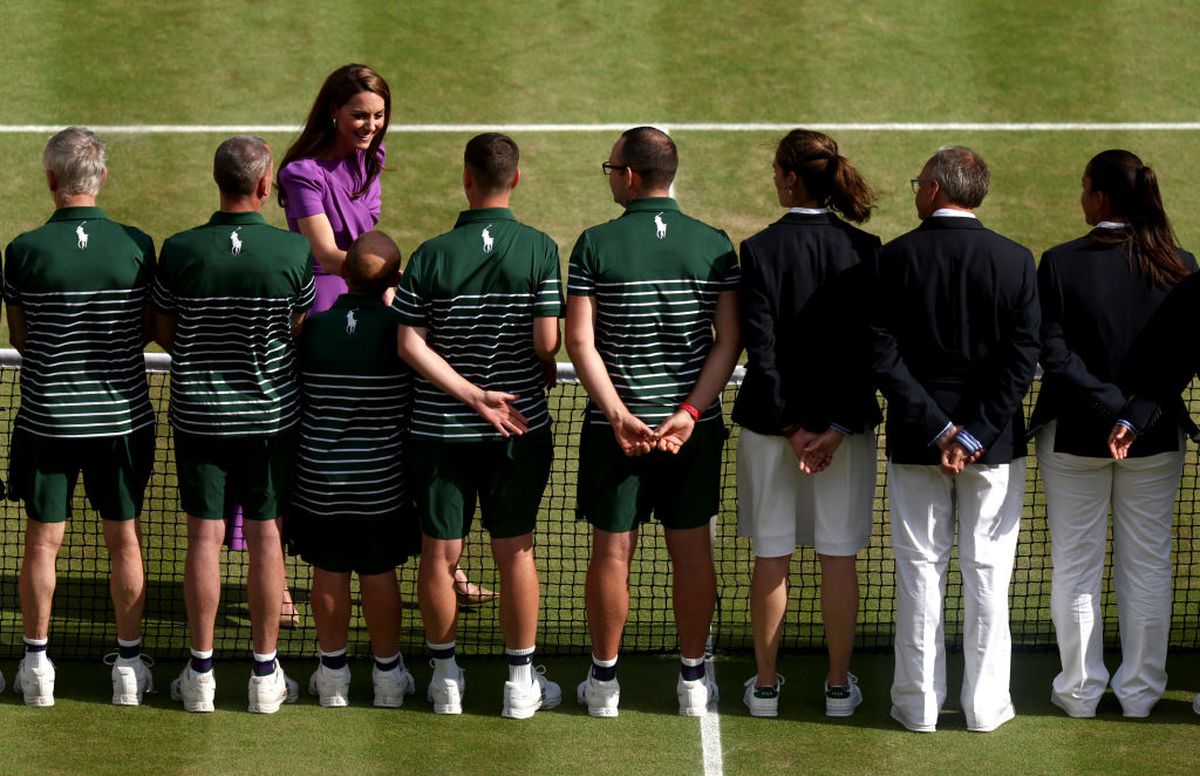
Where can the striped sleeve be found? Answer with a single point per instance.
(409, 303)
(581, 278)
(12, 294)
(548, 302)
(162, 297)
(307, 295)
(728, 272)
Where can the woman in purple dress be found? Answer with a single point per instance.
(328, 183)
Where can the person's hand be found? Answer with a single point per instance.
(954, 459)
(633, 436)
(799, 438)
(1119, 440)
(673, 432)
(818, 452)
(496, 408)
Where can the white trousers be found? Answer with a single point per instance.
(1079, 493)
(984, 503)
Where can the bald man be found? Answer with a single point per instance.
(348, 491)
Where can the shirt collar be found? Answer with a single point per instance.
(652, 203)
(951, 212)
(353, 299)
(809, 211)
(242, 218)
(484, 214)
(78, 214)
(1112, 225)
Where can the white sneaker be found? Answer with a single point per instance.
(1195, 703)
(3, 684)
(601, 698)
(521, 701)
(446, 692)
(268, 692)
(36, 684)
(392, 686)
(131, 678)
(195, 689)
(695, 695)
(330, 685)
(763, 701)
(841, 701)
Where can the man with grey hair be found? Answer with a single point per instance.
(78, 290)
(230, 296)
(955, 339)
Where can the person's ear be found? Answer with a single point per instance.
(516, 179)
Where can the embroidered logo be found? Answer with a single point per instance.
(81, 237)
(351, 322)
(235, 243)
(660, 227)
(488, 240)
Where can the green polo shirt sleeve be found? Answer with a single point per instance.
(581, 272)
(549, 300)
(411, 302)
(728, 272)
(13, 257)
(306, 294)
(162, 292)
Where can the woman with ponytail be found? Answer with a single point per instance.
(1097, 293)
(806, 458)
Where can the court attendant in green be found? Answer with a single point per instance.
(348, 498)
(77, 291)
(230, 295)
(652, 328)
(479, 307)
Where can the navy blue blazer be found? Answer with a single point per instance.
(954, 338)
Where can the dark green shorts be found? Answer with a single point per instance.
(43, 471)
(618, 492)
(251, 471)
(363, 545)
(507, 476)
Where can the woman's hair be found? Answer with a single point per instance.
(320, 133)
(827, 176)
(1132, 190)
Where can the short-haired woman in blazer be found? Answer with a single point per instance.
(1097, 292)
(807, 459)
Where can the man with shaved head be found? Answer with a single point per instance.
(348, 489)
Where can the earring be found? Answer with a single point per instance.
(335, 122)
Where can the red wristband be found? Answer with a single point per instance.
(689, 409)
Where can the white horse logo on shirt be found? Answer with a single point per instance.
(488, 240)
(81, 236)
(660, 227)
(236, 243)
(351, 322)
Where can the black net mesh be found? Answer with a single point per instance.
(82, 625)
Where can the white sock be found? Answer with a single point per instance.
(520, 673)
(37, 659)
(443, 665)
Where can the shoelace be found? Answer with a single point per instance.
(112, 657)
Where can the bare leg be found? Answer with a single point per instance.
(127, 582)
(381, 608)
(202, 579)
(264, 582)
(39, 575)
(694, 584)
(768, 604)
(519, 592)
(607, 591)
(331, 609)
(839, 611)
(435, 588)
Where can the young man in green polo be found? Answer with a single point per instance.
(652, 328)
(77, 291)
(349, 511)
(230, 296)
(479, 307)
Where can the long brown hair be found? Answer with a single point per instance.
(320, 133)
(1133, 196)
(827, 176)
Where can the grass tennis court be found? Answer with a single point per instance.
(586, 63)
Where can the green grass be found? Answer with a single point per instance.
(84, 734)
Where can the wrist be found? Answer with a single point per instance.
(690, 410)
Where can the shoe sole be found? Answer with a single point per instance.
(121, 699)
(333, 702)
(41, 701)
(606, 712)
(895, 714)
(388, 703)
(761, 712)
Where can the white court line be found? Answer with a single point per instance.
(710, 731)
(1034, 126)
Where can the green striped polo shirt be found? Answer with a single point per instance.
(655, 275)
(355, 396)
(233, 286)
(82, 282)
(477, 289)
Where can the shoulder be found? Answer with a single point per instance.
(1188, 259)
(857, 235)
(136, 235)
(306, 170)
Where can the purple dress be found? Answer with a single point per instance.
(326, 186)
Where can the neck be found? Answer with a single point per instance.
(951, 206)
(478, 200)
(247, 204)
(74, 200)
(662, 191)
(809, 202)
